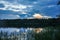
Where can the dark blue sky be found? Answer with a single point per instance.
(18, 9)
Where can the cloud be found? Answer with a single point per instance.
(1, 5)
(15, 7)
(47, 17)
(36, 15)
(9, 16)
(39, 16)
(30, 18)
(25, 7)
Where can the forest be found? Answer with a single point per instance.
(33, 23)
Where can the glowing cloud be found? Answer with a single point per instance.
(37, 16)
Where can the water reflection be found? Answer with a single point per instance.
(47, 33)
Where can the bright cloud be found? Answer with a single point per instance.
(39, 16)
(15, 7)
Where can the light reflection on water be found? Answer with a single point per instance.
(19, 29)
(31, 33)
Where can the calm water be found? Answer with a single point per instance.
(47, 33)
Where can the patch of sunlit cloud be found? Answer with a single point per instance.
(36, 15)
(39, 16)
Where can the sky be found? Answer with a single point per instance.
(29, 9)
(21, 9)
